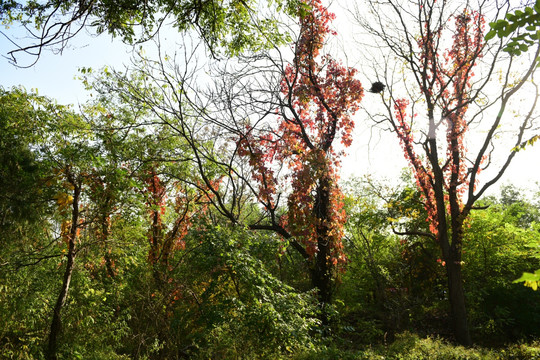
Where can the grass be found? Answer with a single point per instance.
(409, 346)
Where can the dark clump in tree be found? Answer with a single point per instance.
(377, 87)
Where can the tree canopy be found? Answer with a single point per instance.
(230, 26)
(193, 206)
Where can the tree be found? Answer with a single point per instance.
(176, 153)
(319, 96)
(70, 232)
(20, 168)
(380, 278)
(450, 89)
(232, 26)
(50, 123)
(249, 149)
(25, 214)
(74, 163)
(74, 189)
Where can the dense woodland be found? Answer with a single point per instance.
(193, 207)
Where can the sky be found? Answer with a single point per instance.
(54, 75)
(373, 153)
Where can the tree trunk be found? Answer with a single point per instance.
(456, 293)
(457, 302)
(320, 277)
(56, 323)
(60, 302)
(321, 273)
(451, 251)
(455, 279)
(321, 280)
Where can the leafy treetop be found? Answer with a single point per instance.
(447, 82)
(233, 26)
(320, 96)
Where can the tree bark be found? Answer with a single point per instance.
(56, 323)
(451, 251)
(456, 295)
(321, 273)
(457, 303)
(456, 292)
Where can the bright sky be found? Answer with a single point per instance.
(374, 153)
(54, 74)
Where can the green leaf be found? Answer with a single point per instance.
(499, 24)
(529, 277)
(505, 32)
(490, 35)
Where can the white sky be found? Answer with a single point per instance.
(371, 153)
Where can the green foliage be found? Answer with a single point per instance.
(233, 26)
(527, 21)
(226, 292)
(408, 347)
(21, 198)
(526, 143)
(397, 283)
(496, 251)
(530, 280)
(247, 311)
(25, 298)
